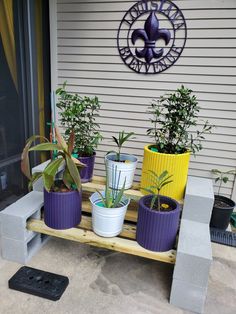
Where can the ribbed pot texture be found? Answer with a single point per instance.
(156, 231)
(62, 210)
(177, 165)
(86, 173)
(220, 217)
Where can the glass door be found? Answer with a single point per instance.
(23, 95)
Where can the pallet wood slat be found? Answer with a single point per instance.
(115, 244)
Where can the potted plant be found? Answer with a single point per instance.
(124, 163)
(158, 216)
(62, 196)
(174, 118)
(108, 209)
(79, 114)
(223, 206)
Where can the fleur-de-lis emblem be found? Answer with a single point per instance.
(150, 34)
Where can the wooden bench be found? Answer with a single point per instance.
(83, 233)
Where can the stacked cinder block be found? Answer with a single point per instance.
(194, 254)
(17, 243)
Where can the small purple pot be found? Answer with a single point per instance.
(62, 210)
(86, 173)
(156, 231)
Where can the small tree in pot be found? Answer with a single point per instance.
(223, 206)
(62, 197)
(174, 118)
(109, 208)
(79, 114)
(158, 216)
(125, 164)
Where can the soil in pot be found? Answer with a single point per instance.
(221, 213)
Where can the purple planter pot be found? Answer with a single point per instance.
(62, 210)
(156, 231)
(86, 173)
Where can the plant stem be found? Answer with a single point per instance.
(159, 201)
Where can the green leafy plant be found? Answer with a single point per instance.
(120, 140)
(174, 117)
(71, 176)
(158, 182)
(79, 114)
(112, 197)
(222, 177)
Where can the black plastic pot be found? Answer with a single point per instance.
(220, 217)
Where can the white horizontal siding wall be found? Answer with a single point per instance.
(88, 59)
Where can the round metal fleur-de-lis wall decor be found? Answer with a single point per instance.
(152, 36)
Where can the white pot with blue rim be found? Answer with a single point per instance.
(121, 171)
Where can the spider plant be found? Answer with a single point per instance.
(158, 182)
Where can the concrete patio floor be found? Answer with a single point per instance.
(106, 282)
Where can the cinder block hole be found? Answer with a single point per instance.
(32, 244)
(42, 213)
(43, 237)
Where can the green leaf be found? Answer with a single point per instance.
(102, 198)
(148, 190)
(67, 179)
(225, 179)
(25, 164)
(119, 196)
(165, 183)
(50, 172)
(73, 170)
(60, 139)
(154, 198)
(48, 181)
(34, 178)
(45, 147)
(71, 142)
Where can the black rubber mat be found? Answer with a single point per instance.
(38, 282)
(223, 237)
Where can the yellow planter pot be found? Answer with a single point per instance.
(174, 164)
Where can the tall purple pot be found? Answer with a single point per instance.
(156, 231)
(86, 173)
(62, 210)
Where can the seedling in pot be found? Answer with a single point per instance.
(122, 138)
(222, 177)
(158, 182)
(112, 197)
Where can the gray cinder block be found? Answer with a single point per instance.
(199, 200)
(20, 251)
(188, 296)
(194, 253)
(13, 219)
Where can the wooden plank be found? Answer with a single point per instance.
(115, 244)
(129, 231)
